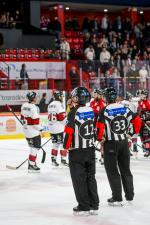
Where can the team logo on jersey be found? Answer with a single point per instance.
(85, 115)
(86, 130)
(116, 111)
(119, 125)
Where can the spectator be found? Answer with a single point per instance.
(64, 49)
(3, 20)
(105, 60)
(95, 26)
(118, 25)
(132, 75)
(86, 25)
(74, 77)
(89, 53)
(97, 51)
(57, 29)
(143, 73)
(104, 24)
(42, 104)
(24, 76)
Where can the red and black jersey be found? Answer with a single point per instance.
(97, 105)
(144, 105)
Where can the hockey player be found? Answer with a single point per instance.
(133, 107)
(144, 112)
(32, 128)
(79, 140)
(97, 105)
(57, 118)
(112, 128)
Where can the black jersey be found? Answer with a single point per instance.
(114, 121)
(79, 130)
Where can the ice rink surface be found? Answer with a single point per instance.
(47, 198)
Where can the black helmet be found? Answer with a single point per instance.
(31, 95)
(95, 90)
(110, 94)
(100, 91)
(144, 92)
(138, 93)
(57, 95)
(129, 96)
(82, 94)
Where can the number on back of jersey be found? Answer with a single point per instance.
(87, 130)
(52, 116)
(119, 125)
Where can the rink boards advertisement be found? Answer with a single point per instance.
(11, 128)
(35, 70)
(18, 97)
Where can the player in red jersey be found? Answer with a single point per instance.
(144, 112)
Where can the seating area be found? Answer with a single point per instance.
(28, 54)
(75, 39)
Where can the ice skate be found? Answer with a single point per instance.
(113, 202)
(101, 161)
(77, 212)
(55, 164)
(64, 163)
(33, 168)
(94, 211)
(147, 154)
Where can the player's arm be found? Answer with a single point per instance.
(100, 126)
(69, 129)
(137, 123)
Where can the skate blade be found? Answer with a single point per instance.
(94, 212)
(64, 166)
(82, 213)
(115, 204)
(55, 167)
(130, 202)
(33, 171)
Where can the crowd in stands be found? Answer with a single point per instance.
(108, 48)
(10, 20)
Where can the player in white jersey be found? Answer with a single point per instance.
(57, 120)
(129, 103)
(32, 128)
(133, 107)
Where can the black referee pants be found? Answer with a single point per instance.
(82, 170)
(117, 166)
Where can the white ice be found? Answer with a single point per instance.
(48, 198)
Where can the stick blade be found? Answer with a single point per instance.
(11, 167)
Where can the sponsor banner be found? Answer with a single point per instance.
(18, 97)
(9, 126)
(36, 70)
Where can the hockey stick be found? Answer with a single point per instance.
(10, 109)
(17, 167)
(148, 128)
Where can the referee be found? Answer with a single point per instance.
(79, 140)
(112, 129)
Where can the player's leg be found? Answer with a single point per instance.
(34, 144)
(54, 150)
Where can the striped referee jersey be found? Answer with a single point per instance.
(114, 120)
(79, 129)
